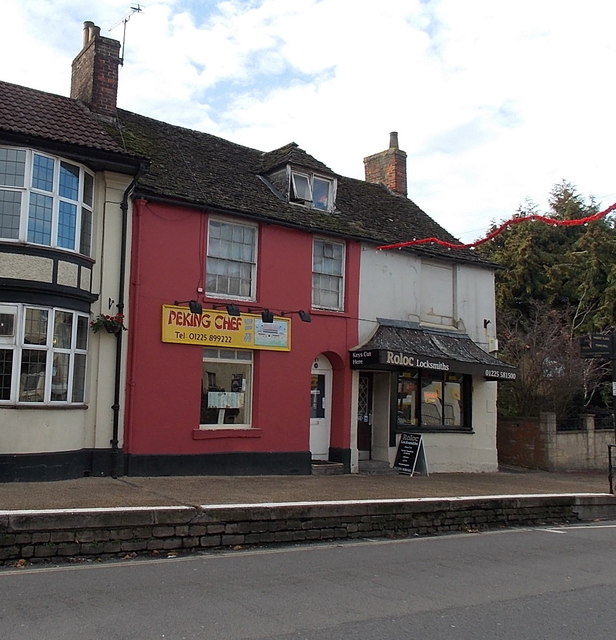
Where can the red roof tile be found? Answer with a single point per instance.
(25, 111)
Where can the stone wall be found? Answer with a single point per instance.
(57, 534)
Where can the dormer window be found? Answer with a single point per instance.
(311, 190)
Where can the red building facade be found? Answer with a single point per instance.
(182, 414)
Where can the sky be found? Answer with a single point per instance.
(494, 101)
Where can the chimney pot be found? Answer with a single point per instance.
(86, 32)
(393, 140)
(93, 31)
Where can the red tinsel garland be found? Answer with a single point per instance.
(497, 231)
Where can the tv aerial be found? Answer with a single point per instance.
(124, 21)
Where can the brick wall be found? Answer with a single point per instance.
(94, 78)
(521, 442)
(388, 167)
(46, 535)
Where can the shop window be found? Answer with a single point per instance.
(439, 401)
(231, 259)
(45, 200)
(226, 388)
(327, 275)
(407, 398)
(42, 355)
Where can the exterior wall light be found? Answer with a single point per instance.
(193, 305)
(304, 316)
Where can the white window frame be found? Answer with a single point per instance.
(17, 345)
(340, 277)
(231, 357)
(28, 193)
(211, 256)
(302, 189)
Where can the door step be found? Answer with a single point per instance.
(327, 468)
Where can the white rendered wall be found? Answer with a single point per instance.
(398, 286)
(41, 428)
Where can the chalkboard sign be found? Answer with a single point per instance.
(411, 457)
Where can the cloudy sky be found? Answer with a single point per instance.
(494, 101)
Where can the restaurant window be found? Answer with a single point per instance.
(45, 200)
(226, 387)
(231, 259)
(42, 355)
(439, 401)
(327, 275)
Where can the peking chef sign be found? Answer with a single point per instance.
(218, 329)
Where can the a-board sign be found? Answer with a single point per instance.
(411, 456)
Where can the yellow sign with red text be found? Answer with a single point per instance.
(218, 329)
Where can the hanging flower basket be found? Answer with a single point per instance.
(110, 324)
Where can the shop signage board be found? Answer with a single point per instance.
(389, 360)
(218, 329)
(596, 345)
(411, 455)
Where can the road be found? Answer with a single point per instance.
(543, 583)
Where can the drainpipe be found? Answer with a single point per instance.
(116, 458)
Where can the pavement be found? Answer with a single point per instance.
(105, 492)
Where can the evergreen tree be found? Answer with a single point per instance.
(562, 275)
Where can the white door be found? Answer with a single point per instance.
(320, 408)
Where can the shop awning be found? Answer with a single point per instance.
(396, 345)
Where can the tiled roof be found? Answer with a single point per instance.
(51, 118)
(205, 170)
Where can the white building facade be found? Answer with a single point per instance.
(425, 363)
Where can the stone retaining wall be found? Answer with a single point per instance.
(56, 534)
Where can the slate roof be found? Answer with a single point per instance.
(457, 350)
(205, 170)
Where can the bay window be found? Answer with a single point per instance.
(42, 355)
(45, 200)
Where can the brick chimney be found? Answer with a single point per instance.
(388, 167)
(94, 80)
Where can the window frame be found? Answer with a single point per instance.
(48, 384)
(64, 218)
(221, 356)
(324, 274)
(420, 378)
(210, 258)
(305, 197)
